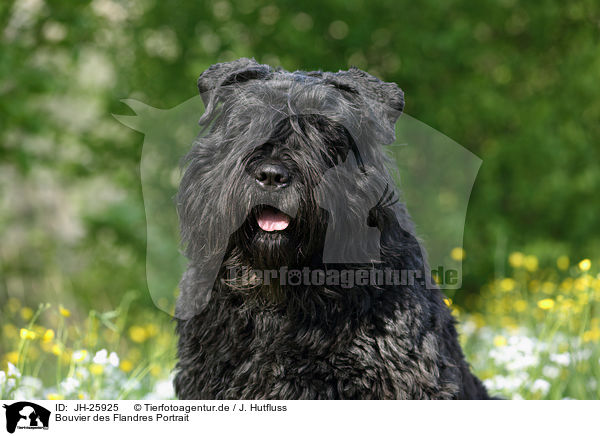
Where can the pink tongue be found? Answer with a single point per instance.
(270, 220)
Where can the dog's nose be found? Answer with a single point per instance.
(272, 175)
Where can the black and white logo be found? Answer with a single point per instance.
(26, 416)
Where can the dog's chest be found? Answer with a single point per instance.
(276, 359)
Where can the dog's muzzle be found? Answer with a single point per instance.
(271, 176)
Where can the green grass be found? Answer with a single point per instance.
(108, 355)
(533, 335)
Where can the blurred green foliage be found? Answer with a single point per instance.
(514, 82)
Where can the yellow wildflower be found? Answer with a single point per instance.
(458, 254)
(563, 262)
(64, 312)
(26, 313)
(79, 356)
(27, 334)
(531, 263)
(155, 370)
(516, 259)
(499, 341)
(57, 350)
(507, 284)
(12, 357)
(591, 335)
(138, 334)
(126, 366)
(55, 397)
(520, 305)
(585, 265)
(546, 304)
(96, 369)
(448, 301)
(48, 335)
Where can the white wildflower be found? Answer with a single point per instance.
(2, 377)
(163, 390)
(489, 384)
(583, 354)
(29, 387)
(469, 328)
(13, 371)
(109, 392)
(22, 394)
(506, 383)
(69, 385)
(31, 382)
(101, 357)
(522, 344)
(523, 362)
(113, 359)
(541, 386)
(551, 372)
(563, 359)
(80, 356)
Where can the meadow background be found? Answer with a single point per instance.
(514, 82)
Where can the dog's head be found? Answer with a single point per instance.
(281, 155)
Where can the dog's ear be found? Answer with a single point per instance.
(387, 95)
(229, 73)
(217, 73)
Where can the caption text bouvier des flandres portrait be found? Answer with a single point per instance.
(306, 279)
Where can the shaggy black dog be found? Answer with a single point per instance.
(306, 280)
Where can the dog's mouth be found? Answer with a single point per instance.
(270, 219)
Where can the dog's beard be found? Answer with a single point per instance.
(254, 251)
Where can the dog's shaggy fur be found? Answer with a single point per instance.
(244, 339)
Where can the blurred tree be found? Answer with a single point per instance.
(514, 82)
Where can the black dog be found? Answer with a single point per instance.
(294, 233)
